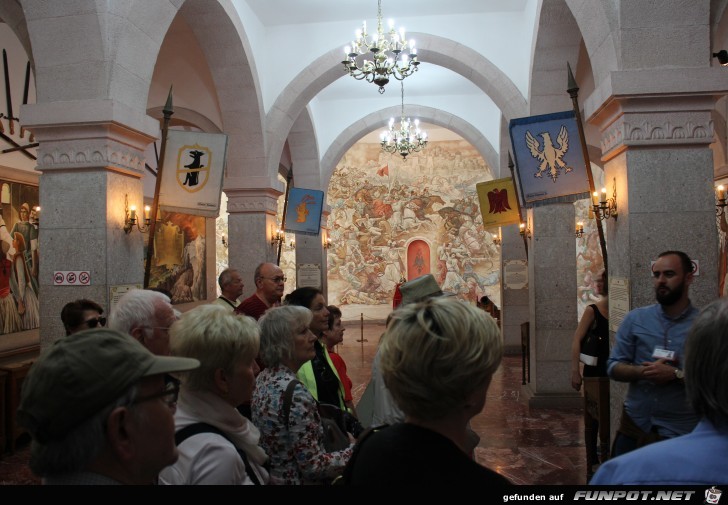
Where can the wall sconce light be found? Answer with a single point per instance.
(277, 237)
(525, 232)
(496, 239)
(720, 196)
(130, 217)
(722, 57)
(579, 229)
(605, 208)
(292, 244)
(224, 241)
(327, 242)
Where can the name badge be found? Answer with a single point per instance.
(661, 353)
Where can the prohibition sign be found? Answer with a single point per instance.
(58, 278)
(84, 277)
(71, 277)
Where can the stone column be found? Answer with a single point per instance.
(657, 153)
(252, 221)
(514, 297)
(552, 281)
(91, 156)
(309, 249)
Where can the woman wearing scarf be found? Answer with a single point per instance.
(216, 444)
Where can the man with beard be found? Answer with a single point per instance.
(648, 353)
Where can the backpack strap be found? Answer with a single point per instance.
(197, 428)
(287, 400)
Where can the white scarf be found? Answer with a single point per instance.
(201, 406)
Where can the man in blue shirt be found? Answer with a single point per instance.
(648, 354)
(700, 457)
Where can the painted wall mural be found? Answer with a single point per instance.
(589, 262)
(178, 264)
(392, 219)
(20, 257)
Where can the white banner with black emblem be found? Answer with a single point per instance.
(194, 164)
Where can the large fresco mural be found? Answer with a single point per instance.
(392, 219)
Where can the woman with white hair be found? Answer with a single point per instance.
(437, 359)
(291, 431)
(216, 444)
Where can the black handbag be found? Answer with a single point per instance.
(589, 353)
(332, 421)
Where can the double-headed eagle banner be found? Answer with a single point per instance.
(303, 214)
(194, 164)
(548, 156)
(498, 203)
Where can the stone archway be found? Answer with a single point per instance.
(353, 133)
(327, 68)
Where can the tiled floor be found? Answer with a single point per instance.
(529, 446)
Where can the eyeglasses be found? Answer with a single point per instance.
(168, 396)
(161, 328)
(97, 321)
(276, 279)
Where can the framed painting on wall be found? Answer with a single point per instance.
(179, 263)
(19, 229)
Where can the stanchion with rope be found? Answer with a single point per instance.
(362, 339)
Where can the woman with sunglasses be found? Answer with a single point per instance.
(82, 315)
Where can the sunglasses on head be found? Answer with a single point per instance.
(97, 321)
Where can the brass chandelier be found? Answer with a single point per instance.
(377, 58)
(406, 138)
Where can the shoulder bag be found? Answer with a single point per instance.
(335, 438)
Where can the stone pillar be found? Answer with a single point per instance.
(553, 314)
(514, 297)
(657, 152)
(91, 156)
(252, 221)
(310, 249)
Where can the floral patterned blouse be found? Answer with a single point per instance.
(297, 454)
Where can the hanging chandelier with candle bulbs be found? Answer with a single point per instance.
(380, 56)
(406, 138)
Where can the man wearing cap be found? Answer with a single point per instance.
(384, 410)
(98, 410)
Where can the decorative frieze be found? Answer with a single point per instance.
(260, 200)
(74, 157)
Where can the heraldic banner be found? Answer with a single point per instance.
(498, 202)
(303, 214)
(548, 156)
(194, 164)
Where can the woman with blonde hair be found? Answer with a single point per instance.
(217, 445)
(437, 359)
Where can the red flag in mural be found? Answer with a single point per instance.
(383, 171)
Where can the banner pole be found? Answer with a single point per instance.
(289, 181)
(573, 91)
(518, 200)
(168, 110)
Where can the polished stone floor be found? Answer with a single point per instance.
(528, 446)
